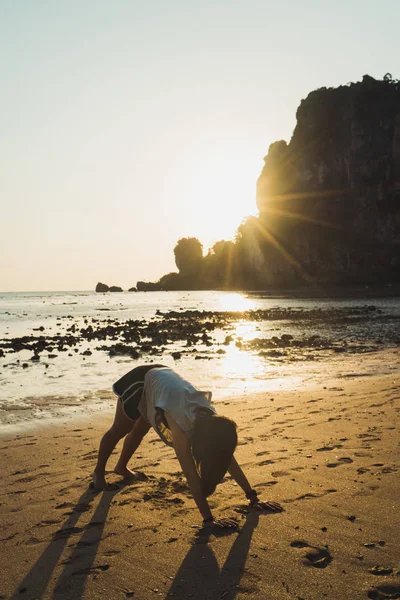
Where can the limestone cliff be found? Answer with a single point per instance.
(329, 200)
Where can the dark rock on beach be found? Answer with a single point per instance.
(102, 287)
(208, 333)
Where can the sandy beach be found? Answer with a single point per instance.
(329, 454)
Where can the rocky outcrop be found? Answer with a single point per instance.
(132, 289)
(144, 286)
(102, 287)
(329, 200)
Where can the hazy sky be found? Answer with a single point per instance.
(128, 124)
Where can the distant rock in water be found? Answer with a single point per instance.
(329, 200)
(102, 287)
(144, 286)
(132, 289)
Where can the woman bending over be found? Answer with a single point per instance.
(184, 418)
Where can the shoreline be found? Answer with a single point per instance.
(219, 341)
(328, 453)
(379, 289)
(32, 412)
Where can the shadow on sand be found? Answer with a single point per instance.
(73, 577)
(201, 578)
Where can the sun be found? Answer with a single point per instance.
(220, 187)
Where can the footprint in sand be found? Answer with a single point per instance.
(65, 505)
(378, 570)
(248, 583)
(95, 524)
(83, 544)
(48, 522)
(9, 537)
(82, 507)
(21, 472)
(341, 461)
(389, 470)
(127, 490)
(32, 541)
(315, 557)
(180, 486)
(329, 448)
(28, 444)
(91, 569)
(111, 552)
(30, 478)
(310, 495)
(266, 484)
(66, 532)
(363, 454)
(386, 591)
(90, 456)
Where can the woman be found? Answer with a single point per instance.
(184, 418)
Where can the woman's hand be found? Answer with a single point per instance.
(272, 507)
(224, 523)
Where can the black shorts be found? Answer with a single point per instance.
(129, 389)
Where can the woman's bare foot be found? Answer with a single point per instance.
(129, 475)
(99, 483)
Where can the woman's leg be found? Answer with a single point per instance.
(121, 426)
(131, 443)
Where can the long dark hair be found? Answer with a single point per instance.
(213, 443)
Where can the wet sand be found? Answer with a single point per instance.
(329, 454)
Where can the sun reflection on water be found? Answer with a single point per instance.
(241, 365)
(236, 302)
(247, 370)
(250, 372)
(246, 330)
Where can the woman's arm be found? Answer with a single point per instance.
(236, 472)
(184, 454)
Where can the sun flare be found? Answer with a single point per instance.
(220, 186)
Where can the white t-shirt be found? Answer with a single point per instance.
(165, 390)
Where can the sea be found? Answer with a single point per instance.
(257, 343)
